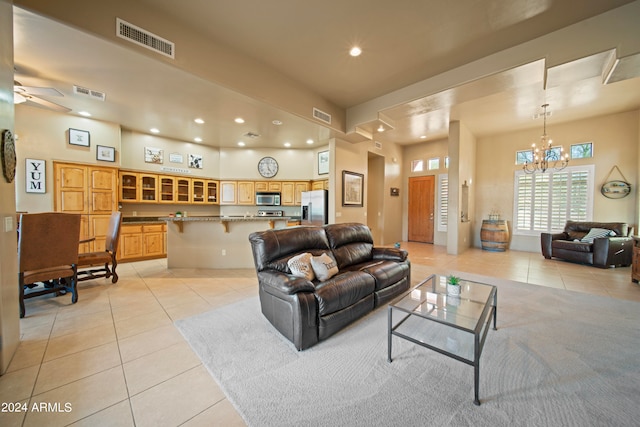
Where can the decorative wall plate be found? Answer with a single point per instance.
(615, 189)
(8, 155)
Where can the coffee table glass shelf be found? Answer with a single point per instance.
(455, 326)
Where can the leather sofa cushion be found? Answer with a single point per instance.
(581, 228)
(351, 243)
(343, 290)
(572, 246)
(274, 248)
(386, 273)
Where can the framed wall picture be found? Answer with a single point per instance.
(79, 137)
(107, 154)
(352, 188)
(153, 155)
(195, 161)
(36, 176)
(323, 162)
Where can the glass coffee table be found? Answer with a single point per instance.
(455, 326)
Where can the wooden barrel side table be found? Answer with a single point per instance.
(494, 235)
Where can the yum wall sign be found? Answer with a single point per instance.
(36, 178)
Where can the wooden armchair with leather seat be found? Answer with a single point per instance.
(102, 258)
(48, 255)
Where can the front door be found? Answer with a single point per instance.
(421, 208)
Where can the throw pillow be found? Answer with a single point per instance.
(324, 267)
(300, 266)
(594, 233)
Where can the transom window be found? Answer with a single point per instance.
(543, 202)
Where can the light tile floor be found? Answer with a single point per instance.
(117, 360)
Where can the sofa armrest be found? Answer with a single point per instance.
(283, 283)
(545, 242)
(390, 254)
(612, 251)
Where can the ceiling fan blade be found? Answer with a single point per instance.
(39, 102)
(39, 91)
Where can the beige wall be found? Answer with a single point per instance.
(43, 134)
(616, 141)
(9, 315)
(430, 150)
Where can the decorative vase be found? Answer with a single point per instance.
(453, 289)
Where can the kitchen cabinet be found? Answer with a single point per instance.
(275, 186)
(141, 241)
(129, 189)
(322, 184)
(90, 191)
(148, 188)
(228, 191)
(291, 194)
(246, 193)
(167, 185)
(183, 190)
(204, 191)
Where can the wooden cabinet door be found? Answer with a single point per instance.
(167, 189)
(246, 193)
(211, 192)
(261, 186)
(153, 240)
(198, 191)
(287, 196)
(70, 188)
(102, 186)
(317, 185)
(183, 190)
(98, 228)
(148, 188)
(130, 245)
(129, 187)
(300, 187)
(228, 190)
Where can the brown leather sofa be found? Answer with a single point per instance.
(306, 312)
(603, 252)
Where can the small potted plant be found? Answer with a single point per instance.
(453, 285)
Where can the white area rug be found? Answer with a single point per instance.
(558, 358)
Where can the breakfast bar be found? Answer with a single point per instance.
(215, 242)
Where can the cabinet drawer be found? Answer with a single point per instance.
(131, 229)
(152, 228)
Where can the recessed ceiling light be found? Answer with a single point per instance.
(277, 122)
(197, 139)
(309, 141)
(154, 130)
(287, 144)
(84, 113)
(239, 120)
(241, 144)
(355, 51)
(198, 121)
(423, 137)
(380, 128)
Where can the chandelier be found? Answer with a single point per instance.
(547, 156)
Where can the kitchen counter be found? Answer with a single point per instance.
(199, 242)
(224, 220)
(141, 220)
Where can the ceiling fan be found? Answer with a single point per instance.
(33, 94)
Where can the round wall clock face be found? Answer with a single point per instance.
(8, 156)
(268, 167)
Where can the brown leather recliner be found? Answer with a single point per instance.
(306, 312)
(603, 252)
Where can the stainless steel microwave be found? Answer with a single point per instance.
(267, 199)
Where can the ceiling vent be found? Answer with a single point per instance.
(252, 135)
(378, 145)
(79, 90)
(144, 38)
(322, 116)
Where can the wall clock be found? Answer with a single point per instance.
(268, 167)
(8, 156)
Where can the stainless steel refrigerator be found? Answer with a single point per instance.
(315, 209)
